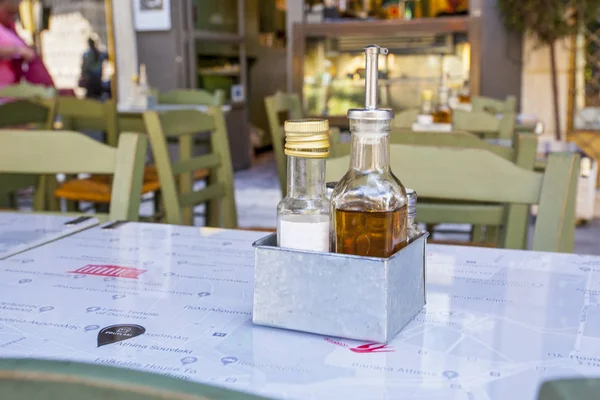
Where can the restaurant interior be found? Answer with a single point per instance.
(299, 199)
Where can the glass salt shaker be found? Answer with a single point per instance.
(303, 221)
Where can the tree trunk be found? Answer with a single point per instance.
(554, 77)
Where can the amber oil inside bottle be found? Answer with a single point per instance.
(442, 116)
(443, 112)
(369, 203)
(371, 233)
(464, 98)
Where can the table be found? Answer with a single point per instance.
(431, 127)
(497, 323)
(130, 117)
(20, 231)
(525, 124)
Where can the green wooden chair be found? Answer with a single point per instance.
(486, 219)
(54, 152)
(494, 106)
(40, 113)
(219, 192)
(570, 389)
(280, 107)
(477, 175)
(522, 153)
(461, 139)
(406, 118)
(93, 115)
(485, 124)
(192, 96)
(26, 90)
(32, 379)
(89, 115)
(33, 113)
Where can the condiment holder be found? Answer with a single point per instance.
(347, 259)
(347, 296)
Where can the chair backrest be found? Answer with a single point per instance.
(26, 90)
(53, 152)
(406, 118)
(32, 113)
(523, 153)
(192, 96)
(40, 112)
(219, 193)
(480, 176)
(484, 123)
(89, 115)
(48, 379)
(281, 106)
(494, 106)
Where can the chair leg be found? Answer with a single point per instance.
(478, 234)
(492, 235)
(430, 228)
(13, 202)
(39, 198)
(212, 216)
(156, 201)
(102, 208)
(52, 202)
(72, 206)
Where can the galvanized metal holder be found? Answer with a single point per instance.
(346, 296)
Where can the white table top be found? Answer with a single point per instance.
(522, 119)
(417, 127)
(20, 231)
(169, 107)
(496, 325)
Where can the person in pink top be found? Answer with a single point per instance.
(17, 60)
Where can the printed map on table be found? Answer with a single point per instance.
(21, 231)
(178, 301)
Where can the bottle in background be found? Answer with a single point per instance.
(426, 102)
(443, 112)
(464, 95)
(143, 89)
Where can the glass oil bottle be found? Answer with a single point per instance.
(443, 112)
(303, 221)
(369, 204)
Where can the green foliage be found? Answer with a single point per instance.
(547, 20)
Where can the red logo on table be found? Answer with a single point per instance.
(372, 348)
(109, 270)
(363, 348)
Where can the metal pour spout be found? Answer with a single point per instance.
(371, 75)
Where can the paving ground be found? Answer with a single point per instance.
(257, 195)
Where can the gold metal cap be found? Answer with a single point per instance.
(427, 94)
(308, 138)
(307, 125)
